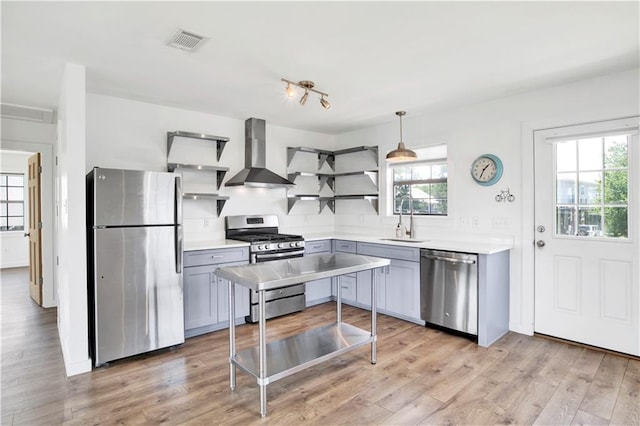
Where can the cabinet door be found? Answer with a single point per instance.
(317, 289)
(242, 297)
(200, 307)
(403, 288)
(347, 285)
(363, 292)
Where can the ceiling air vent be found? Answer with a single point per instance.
(20, 112)
(186, 40)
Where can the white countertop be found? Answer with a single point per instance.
(469, 246)
(213, 244)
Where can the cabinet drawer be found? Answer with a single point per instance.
(322, 246)
(345, 246)
(347, 285)
(389, 252)
(212, 257)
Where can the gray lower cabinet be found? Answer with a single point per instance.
(318, 291)
(347, 283)
(363, 288)
(398, 285)
(403, 289)
(206, 297)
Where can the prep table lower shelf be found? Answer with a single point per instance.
(292, 354)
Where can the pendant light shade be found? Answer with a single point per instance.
(401, 153)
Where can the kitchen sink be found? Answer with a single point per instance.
(404, 240)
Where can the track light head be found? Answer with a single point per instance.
(290, 91)
(303, 99)
(325, 103)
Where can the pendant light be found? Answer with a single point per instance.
(401, 153)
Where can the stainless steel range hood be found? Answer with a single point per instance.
(255, 174)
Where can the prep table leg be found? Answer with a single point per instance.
(338, 301)
(374, 303)
(232, 334)
(262, 353)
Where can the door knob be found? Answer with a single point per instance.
(540, 243)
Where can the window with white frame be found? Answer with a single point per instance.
(11, 202)
(421, 185)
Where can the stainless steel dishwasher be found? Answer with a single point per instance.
(449, 290)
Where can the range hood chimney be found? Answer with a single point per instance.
(255, 174)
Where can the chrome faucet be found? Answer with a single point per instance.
(411, 231)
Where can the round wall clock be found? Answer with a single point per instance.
(486, 169)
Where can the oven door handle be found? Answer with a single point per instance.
(296, 253)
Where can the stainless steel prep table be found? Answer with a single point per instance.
(281, 358)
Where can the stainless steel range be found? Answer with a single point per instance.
(261, 231)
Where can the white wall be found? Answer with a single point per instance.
(133, 135)
(70, 184)
(21, 135)
(502, 127)
(15, 246)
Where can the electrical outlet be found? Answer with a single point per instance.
(205, 222)
(463, 221)
(474, 222)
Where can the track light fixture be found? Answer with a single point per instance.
(308, 87)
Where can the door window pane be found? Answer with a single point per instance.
(566, 156)
(565, 220)
(589, 188)
(590, 154)
(615, 187)
(615, 152)
(615, 222)
(566, 188)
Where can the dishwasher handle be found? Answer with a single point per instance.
(449, 259)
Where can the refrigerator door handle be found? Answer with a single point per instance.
(178, 231)
(178, 202)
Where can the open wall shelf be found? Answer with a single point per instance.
(220, 143)
(219, 171)
(329, 179)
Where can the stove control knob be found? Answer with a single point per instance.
(280, 245)
(292, 244)
(299, 244)
(259, 247)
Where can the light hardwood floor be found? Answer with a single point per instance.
(422, 377)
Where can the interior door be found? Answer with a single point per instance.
(35, 233)
(587, 234)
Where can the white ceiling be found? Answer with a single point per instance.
(373, 58)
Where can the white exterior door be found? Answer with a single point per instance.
(587, 257)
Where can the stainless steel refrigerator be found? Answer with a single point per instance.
(134, 235)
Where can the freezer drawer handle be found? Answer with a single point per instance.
(449, 259)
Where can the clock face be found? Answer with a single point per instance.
(486, 169)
